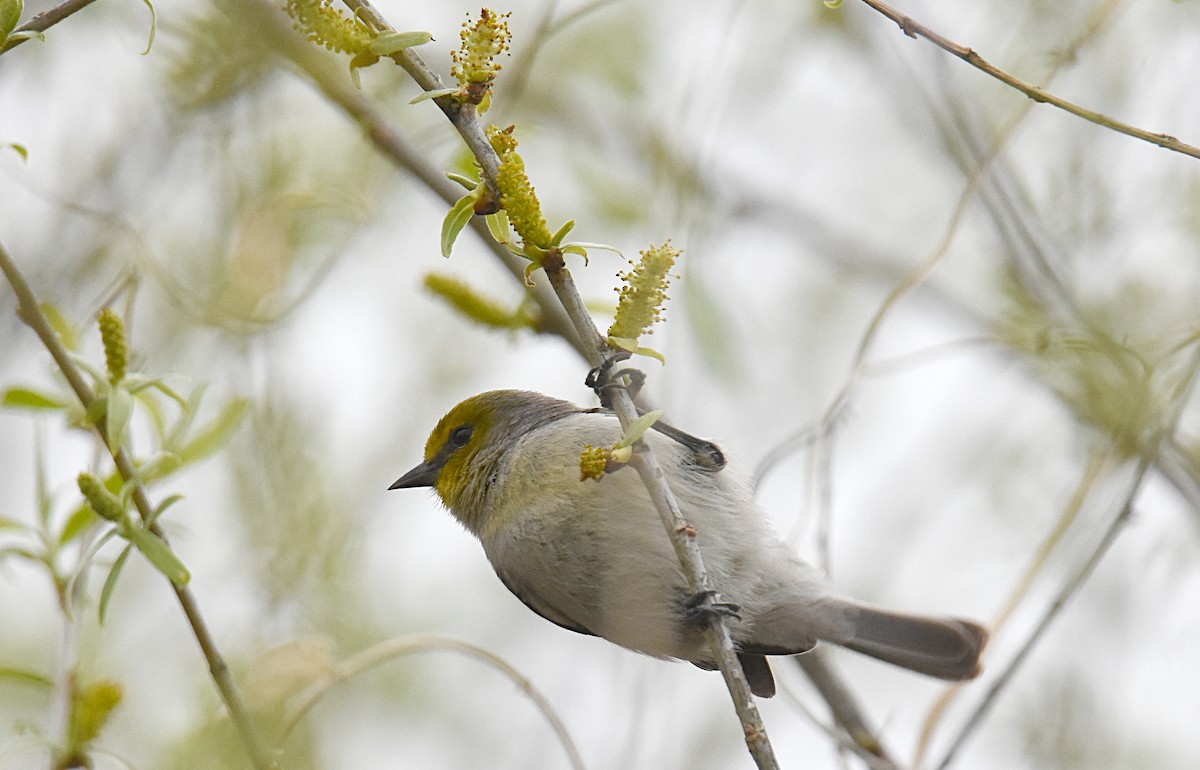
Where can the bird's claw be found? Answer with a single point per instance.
(700, 609)
(603, 379)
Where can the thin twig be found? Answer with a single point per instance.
(44, 21)
(406, 645)
(913, 28)
(844, 707)
(596, 349)
(32, 315)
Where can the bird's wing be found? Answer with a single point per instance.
(531, 600)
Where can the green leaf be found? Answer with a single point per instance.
(650, 353)
(153, 26)
(14, 37)
(563, 232)
(110, 582)
(435, 93)
(216, 433)
(27, 677)
(18, 397)
(159, 467)
(161, 508)
(7, 523)
(62, 327)
(499, 227)
(456, 219)
(391, 42)
(117, 416)
(638, 428)
(10, 16)
(77, 522)
(581, 247)
(20, 149)
(23, 553)
(158, 553)
(465, 181)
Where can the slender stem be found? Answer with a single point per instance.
(406, 645)
(32, 315)
(45, 20)
(682, 534)
(913, 28)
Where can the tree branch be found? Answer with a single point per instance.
(914, 29)
(44, 21)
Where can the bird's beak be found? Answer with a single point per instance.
(424, 475)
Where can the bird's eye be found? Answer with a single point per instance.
(460, 436)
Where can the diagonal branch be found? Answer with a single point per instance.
(44, 21)
(914, 29)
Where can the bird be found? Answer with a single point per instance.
(593, 556)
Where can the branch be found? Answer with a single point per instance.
(914, 29)
(596, 350)
(392, 649)
(29, 312)
(44, 21)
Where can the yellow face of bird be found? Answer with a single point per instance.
(454, 444)
(465, 449)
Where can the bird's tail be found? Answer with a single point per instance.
(947, 648)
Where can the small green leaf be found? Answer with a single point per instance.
(159, 467)
(79, 520)
(7, 523)
(629, 344)
(110, 582)
(216, 433)
(24, 553)
(638, 428)
(435, 93)
(14, 37)
(499, 227)
(557, 239)
(117, 416)
(581, 247)
(158, 553)
(153, 26)
(456, 219)
(27, 677)
(20, 149)
(391, 42)
(62, 327)
(650, 353)
(162, 507)
(465, 181)
(10, 16)
(18, 397)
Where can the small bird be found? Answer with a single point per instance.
(592, 556)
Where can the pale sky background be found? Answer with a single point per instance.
(800, 156)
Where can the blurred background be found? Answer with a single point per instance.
(955, 444)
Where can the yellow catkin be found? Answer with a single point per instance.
(516, 192)
(323, 23)
(472, 304)
(116, 345)
(644, 292)
(475, 60)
